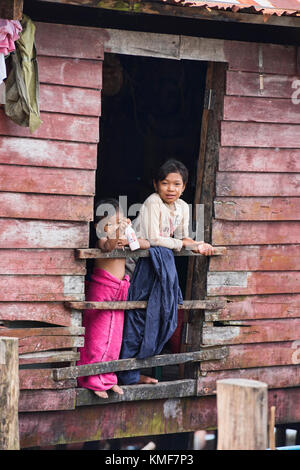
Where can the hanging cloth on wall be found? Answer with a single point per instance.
(9, 32)
(22, 84)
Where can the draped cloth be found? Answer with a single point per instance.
(103, 328)
(22, 85)
(146, 331)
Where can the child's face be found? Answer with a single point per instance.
(110, 225)
(170, 188)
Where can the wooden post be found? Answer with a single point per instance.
(242, 407)
(9, 394)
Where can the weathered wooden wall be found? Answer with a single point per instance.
(47, 183)
(257, 217)
(47, 188)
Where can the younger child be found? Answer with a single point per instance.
(104, 328)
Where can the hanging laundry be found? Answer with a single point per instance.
(22, 84)
(9, 33)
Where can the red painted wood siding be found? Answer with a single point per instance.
(256, 216)
(47, 184)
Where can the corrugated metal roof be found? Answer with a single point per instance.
(267, 7)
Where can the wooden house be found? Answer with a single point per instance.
(229, 107)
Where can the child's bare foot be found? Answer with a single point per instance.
(117, 389)
(101, 394)
(147, 380)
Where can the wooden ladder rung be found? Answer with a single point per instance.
(136, 304)
(92, 253)
(206, 354)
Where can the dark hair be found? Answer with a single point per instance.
(105, 202)
(171, 166)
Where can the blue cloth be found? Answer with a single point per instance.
(146, 331)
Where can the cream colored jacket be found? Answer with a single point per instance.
(157, 223)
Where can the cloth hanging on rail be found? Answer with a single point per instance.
(22, 85)
(146, 331)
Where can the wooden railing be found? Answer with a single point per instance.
(175, 388)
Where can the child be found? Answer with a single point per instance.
(164, 217)
(164, 221)
(104, 328)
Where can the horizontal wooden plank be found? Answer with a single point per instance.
(46, 343)
(255, 208)
(255, 233)
(92, 253)
(40, 262)
(128, 305)
(257, 184)
(70, 100)
(49, 207)
(70, 72)
(69, 41)
(40, 379)
(141, 43)
(252, 331)
(38, 152)
(24, 233)
(154, 417)
(275, 377)
(244, 356)
(205, 354)
(275, 58)
(50, 312)
(241, 283)
(169, 390)
(41, 288)
(241, 108)
(259, 159)
(55, 126)
(47, 400)
(26, 179)
(258, 258)
(250, 134)
(256, 307)
(248, 84)
(47, 331)
(44, 357)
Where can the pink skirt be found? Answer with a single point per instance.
(103, 328)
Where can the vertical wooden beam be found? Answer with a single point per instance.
(11, 9)
(9, 394)
(242, 407)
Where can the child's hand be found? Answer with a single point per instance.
(204, 249)
(121, 243)
(123, 223)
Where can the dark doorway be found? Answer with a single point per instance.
(151, 111)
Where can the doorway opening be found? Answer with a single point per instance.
(151, 111)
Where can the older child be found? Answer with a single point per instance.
(104, 328)
(164, 221)
(164, 217)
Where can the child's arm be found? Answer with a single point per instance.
(150, 228)
(200, 247)
(144, 244)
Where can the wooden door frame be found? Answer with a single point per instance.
(179, 47)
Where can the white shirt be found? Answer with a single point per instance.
(158, 222)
